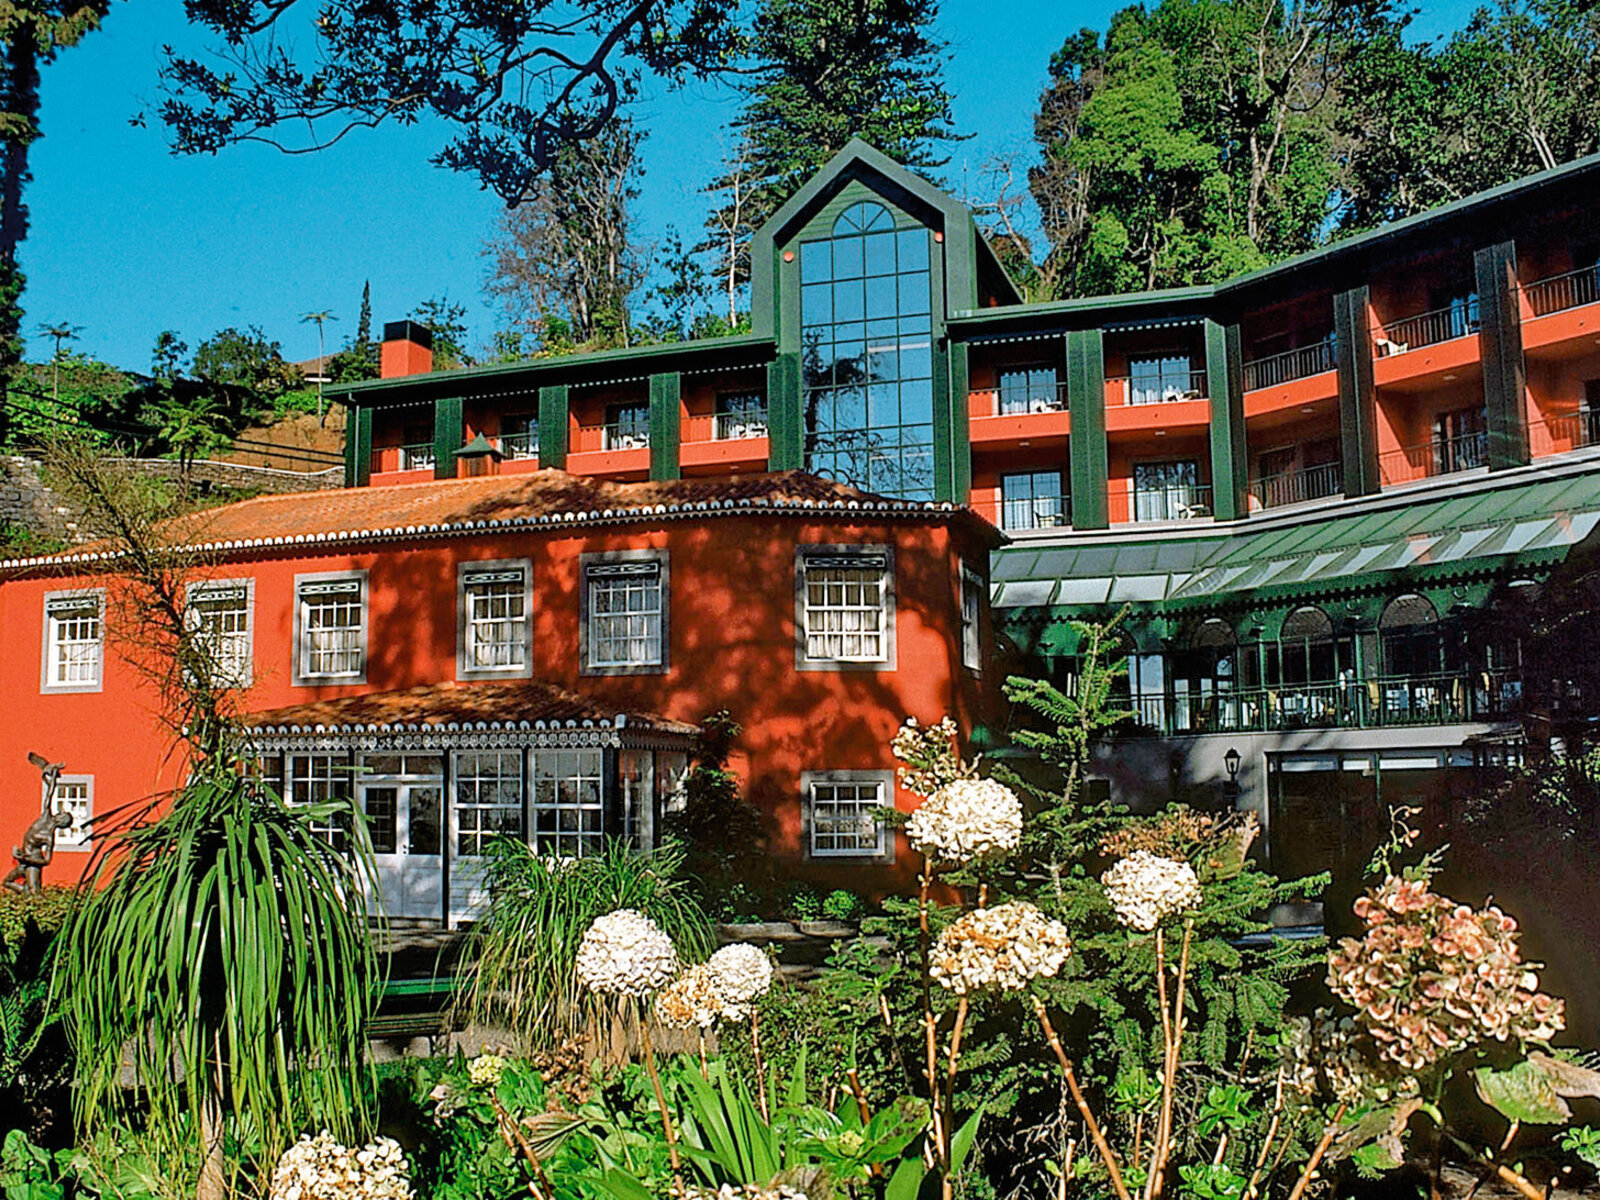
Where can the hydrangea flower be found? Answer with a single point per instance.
(624, 953)
(691, 1001)
(749, 1191)
(1002, 947)
(1145, 889)
(486, 1069)
(743, 974)
(320, 1168)
(1432, 977)
(967, 820)
(929, 755)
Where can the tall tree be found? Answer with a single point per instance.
(359, 358)
(825, 71)
(447, 321)
(513, 84)
(31, 35)
(566, 252)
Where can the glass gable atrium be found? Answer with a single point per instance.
(867, 355)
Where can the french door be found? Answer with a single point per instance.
(404, 820)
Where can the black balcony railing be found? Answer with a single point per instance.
(1569, 431)
(1299, 486)
(1291, 364)
(1389, 701)
(520, 445)
(1428, 329)
(1168, 502)
(1442, 456)
(1165, 388)
(737, 426)
(1558, 293)
(1035, 512)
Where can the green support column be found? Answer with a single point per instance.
(358, 448)
(1500, 349)
(448, 435)
(1358, 393)
(1086, 404)
(1230, 460)
(960, 425)
(785, 421)
(666, 428)
(553, 401)
(943, 430)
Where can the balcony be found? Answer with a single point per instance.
(1019, 418)
(1442, 456)
(1278, 369)
(725, 441)
(612, 437)
(413, 456)
(1558, 293)
(515, 446)
(1029, 512)
(1159, 502)
(1384, 702)
(1139, 390)
(1299, 486)
(1456, 320)
(1559, 434)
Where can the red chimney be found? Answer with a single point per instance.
(407, 350)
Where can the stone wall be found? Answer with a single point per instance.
(26, 503)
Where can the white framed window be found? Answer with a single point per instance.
(318, 779)
(488, 786)
(624, 620)
(844, 606)
(221, 613)
(494, 603)
(331, 628)
(75, 795)
(569, 815)
(840, 814)
(74, 641)
(971, 619)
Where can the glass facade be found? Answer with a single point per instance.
(867, 354)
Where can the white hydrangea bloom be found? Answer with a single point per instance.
(967, 820)
(320, 1168)
(691, 1001)
(1145, 889)
(743, 973)
(1002, 947)
(624, 953)
(486, 1069)
(750, 1191)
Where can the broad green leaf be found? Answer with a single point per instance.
(906, 1181)
(1523, 1093)
(961, 1143)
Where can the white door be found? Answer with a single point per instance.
(403, 817)
(485, 804)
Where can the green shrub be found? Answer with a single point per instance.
(840, 905)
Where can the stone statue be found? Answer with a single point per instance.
(39, 839)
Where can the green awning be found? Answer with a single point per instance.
(1490, 531)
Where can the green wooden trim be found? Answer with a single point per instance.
(363, 446)
(1086, 404)
(448, 435)
(1230, 461)
(352, 421)
(553, 404)
(944, 433)
(1500, 349)
(785, 421)
(666, 428)
(960, 424)
(1358, 393)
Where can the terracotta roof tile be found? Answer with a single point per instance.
(443, 704)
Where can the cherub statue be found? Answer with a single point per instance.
(39, 839)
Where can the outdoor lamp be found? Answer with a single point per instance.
(1231, 761)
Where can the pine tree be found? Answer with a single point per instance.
(829, 70)
(359, 359)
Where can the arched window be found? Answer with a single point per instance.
(1204, 674)
(1410, 636)
(1309, 651)
(867, 353)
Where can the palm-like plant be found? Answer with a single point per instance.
(540, 907)
(224, 940)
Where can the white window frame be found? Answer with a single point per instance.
(495, 572)
(972, 598)
(621, 564)
(547, 768)
(72, 600)
(79, 835)
(461, 806)
(329, 775)
(810, 781)
(244, 675)
(309, 584)
(812, 557)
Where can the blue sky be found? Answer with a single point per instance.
(128, 240)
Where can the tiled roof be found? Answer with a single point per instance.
(448, 507)
(523, 704)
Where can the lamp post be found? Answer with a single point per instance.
(1231, 762)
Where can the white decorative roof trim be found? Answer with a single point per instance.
(443, 529)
